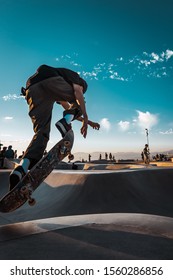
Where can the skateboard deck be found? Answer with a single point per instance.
(31, 181)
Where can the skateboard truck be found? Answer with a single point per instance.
(65, 147)
(70, 157)
(26, 192)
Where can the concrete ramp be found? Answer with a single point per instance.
(100, 236)
(118, 214)
(66, 193)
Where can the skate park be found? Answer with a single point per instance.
(101, 211)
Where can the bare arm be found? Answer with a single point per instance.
(67, 105)
(78, 91)
(94, 125)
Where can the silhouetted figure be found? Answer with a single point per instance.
(142, 155)
(9, 153)
(89, 157)
(146, 153)
(110, 157)
(15, 154)
(2, 156)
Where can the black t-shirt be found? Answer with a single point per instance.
(45, 72)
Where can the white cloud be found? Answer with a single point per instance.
(124, 125)
(123, 69)
(155, 56)
(167, 132)
(168, 54)
(11, 97)
(2, 135)
(105, 124)
(146, 119)
(143, 120)
(71, 59)
(145, 62)
(8, 118)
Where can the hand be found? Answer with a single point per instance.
(84, 127)
(94, 125)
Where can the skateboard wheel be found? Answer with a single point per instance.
(71, 157)
(24, 190)
(67, 143)
(32, 202)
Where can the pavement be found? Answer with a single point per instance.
(96, 213)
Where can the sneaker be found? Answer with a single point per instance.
(16, 175)
(63, 126)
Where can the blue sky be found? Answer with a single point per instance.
(124, 50)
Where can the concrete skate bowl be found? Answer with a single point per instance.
(117, 166)
(94, 215)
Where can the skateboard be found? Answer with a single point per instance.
(22, 192)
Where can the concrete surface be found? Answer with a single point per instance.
(93, 214)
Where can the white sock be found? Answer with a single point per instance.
(25, 162)
(68, 118)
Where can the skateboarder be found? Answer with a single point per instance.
(146, 154)
(47, 86)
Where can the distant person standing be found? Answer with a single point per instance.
(146, 154)
(2, 156)
(15, 154)
(142, 155)
(9, 153)
(110, 157)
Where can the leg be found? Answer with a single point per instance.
(64, 125)
(62, 91)
(38, 144)
(74, 110)
(40, 111)
(40, 98)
